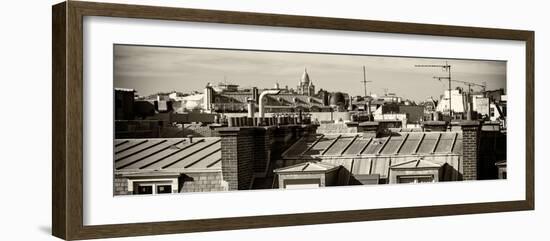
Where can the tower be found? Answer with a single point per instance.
(311, 89)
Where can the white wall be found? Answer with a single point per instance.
(25, 144)
(456, 103)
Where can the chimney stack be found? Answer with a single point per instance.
(471, 131)
(237, 156)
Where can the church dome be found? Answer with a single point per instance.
(305, 77)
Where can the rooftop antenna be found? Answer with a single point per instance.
(445, 67)
(365, 80)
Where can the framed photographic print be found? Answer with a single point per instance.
(171, 120)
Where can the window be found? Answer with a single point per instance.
(415, 179)
(164, 189)
(144, 188)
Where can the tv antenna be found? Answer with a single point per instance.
(445, 67)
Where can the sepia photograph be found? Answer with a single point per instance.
(190, 119)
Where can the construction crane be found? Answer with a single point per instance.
(470, 84)
(365, 80)
(467, 83)
(446, 67)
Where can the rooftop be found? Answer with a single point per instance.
(168, 155)
(354, 145)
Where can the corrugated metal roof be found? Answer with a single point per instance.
(401, 143)
(168, 154)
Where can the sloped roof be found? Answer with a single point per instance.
(167, 155)
(416, 164)
(308, 167)
(354, 145)
(235, 97)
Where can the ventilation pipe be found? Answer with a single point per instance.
(251, 108)
(264, 93)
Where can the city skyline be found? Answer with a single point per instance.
(152, 69)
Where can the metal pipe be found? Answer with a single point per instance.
(264, 93)
(251, 108)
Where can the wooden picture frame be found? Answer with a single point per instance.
(67, 152)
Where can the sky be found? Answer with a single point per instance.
(153, 69)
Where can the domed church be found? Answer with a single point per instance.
(306, 86)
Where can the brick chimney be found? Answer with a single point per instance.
(249, 150)
(470, 150)
(237, 156)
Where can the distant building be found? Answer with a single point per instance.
(430, 105)
(481, 105)
(389, 98)
(491, 104)
(176, 96)
(306, 86)
(407, 114)
(457, 99)
(230, 99)
(190, 103)
(414, 113)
